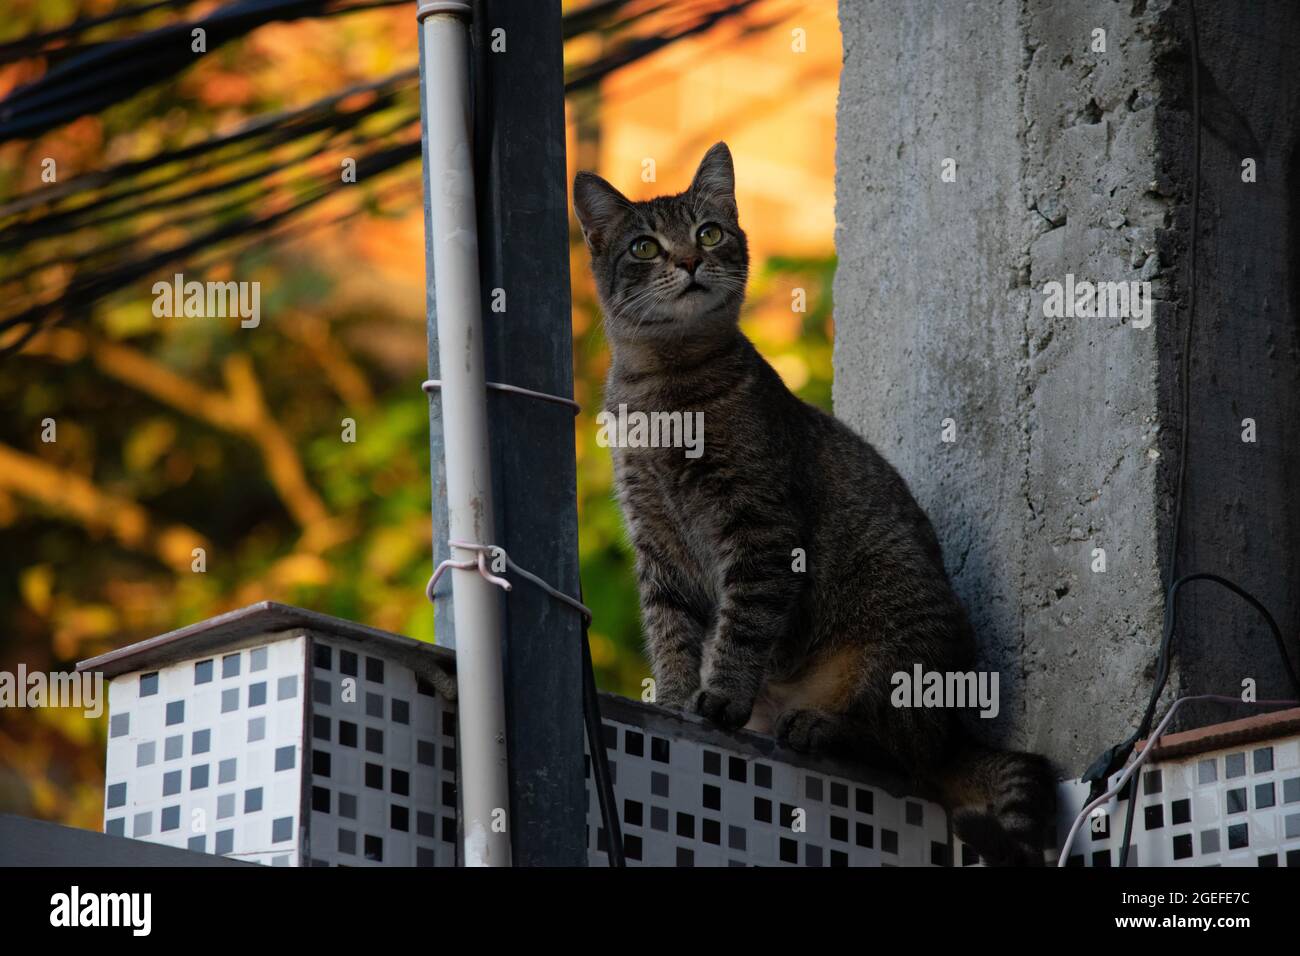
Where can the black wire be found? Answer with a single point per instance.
(599, 758)
(1162, 673)
(81, 293)
(1166, 643)
(32, 44)
(590, 74)
(1186, 372)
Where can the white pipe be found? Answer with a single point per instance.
(476, 604)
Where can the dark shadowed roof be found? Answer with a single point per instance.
(26, 842)
(1233, 733)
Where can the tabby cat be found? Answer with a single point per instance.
(739, 627)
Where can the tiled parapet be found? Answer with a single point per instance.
(321, 744)
(284, 737)
(206, 754)
(1224, 795)
(690, 794)
(382, 761)
(280, 736)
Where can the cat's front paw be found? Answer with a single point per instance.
(679, 698)
(808, 731)
(722, 708)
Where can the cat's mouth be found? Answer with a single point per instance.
(694, 287)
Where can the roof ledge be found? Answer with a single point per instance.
(249, 625)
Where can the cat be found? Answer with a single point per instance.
(735, 629)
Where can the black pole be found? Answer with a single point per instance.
(600, 771)
(524, 256)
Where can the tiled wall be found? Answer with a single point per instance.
(209, 755)
(382, 762)
(697, 802)
(688, 798)
(1238, 806)
(206, 754)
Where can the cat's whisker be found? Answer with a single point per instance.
(629, 299)
(632, 304)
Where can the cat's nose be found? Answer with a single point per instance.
(690, 264)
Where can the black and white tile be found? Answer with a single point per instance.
(1237, 806)
(206, 754)
(382, 771)
(692, 802)
(312, 749)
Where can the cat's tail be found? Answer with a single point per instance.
(1002, 803)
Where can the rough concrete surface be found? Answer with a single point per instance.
(1071, 161)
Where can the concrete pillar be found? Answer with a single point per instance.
(1073, 160)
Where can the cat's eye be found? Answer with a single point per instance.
(645, 248)
(709, 234)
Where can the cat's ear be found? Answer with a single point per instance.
(598, 206)
(715, 180)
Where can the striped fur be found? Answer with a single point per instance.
(737, 628)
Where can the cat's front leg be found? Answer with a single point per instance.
(674, 637)
(757, 600)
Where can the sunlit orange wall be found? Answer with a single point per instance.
(774, 106)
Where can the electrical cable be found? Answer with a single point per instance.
(1147, 750)
(1162, 674)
